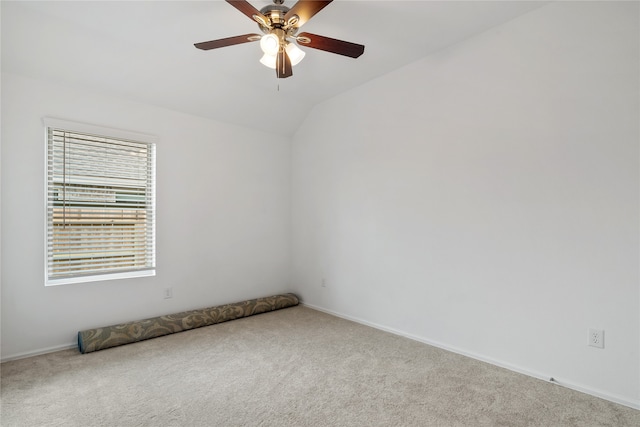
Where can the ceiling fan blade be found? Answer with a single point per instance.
(246, 8)
(283, 65)
(305, 9)
(328, 44)
(229, 41)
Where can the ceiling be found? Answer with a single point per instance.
(143, 51)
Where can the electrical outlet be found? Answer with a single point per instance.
(323, 282)
(596, 338)
(168, 293)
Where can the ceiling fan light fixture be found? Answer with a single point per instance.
(268, 61)
(295, 53)
(270, 44)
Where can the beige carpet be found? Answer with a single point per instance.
(292, 367)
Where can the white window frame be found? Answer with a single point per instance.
(108, 133)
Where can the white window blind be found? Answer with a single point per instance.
(100, 206)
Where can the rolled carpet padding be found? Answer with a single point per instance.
(127, 333)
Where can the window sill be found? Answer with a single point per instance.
(100, 277)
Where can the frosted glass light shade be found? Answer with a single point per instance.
(268, 60)
(269, 44)
(295, 53)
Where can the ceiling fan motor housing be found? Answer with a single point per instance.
(275, 14)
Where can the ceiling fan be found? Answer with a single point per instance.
(280, 26)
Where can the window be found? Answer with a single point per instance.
(100, 203)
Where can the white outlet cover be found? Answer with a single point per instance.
(596, 338)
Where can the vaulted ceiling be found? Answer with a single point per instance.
(143, 51)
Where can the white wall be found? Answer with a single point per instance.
(223, 216)
(486, 198)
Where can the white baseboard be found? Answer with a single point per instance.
(38, 352)
(577, 387)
